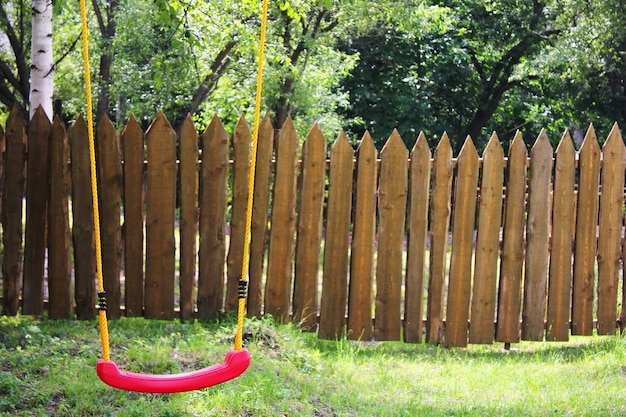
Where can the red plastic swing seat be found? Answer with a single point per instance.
(235, 363)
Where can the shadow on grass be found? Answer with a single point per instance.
(575, 350)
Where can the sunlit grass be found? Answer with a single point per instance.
(48, 368)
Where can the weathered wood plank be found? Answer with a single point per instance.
(335, 273)
(59, 282)
(2, 153)
(283, 226)
(392, 199)
(417, 234)
(538, 237)
(111, 178)
(82, 225)
(563, 218)
(439, 226)
(363, 237)
(586, 242)
(483, 307)
(188, 140)
(160, 216)
(133, 140)
(512, 255)
(239, 190)
(12, 201)
(258, 232)
(309, 238)
(213, 207)
(622, 316)
(610, 230)
(461, 255)
(37, 174)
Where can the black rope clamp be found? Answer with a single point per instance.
(102, 301)
(243, 288)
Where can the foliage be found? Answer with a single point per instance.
(580, 79)
(451, 72)
(465, 67)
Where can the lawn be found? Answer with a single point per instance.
(48, 369)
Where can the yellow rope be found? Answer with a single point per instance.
(255, 133)
(104, 330)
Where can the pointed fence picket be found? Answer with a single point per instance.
(335, 268)
(133, 147)
(483, 305)
(309, 232)
(472, 249)
(513, 244)
(417, 233)
(392, 198)
(277, 300)
(82, 216)
(610, 230)
(213, 202)
(586, 232)
(360, 287)
(560, 275)
(537, 239)
(12, 203)
(188, 171)
(37, 174)
(440, 210)
(59, 283)
(461, 253)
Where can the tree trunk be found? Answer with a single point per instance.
(209, 83)
(312, 27)
(42, 68)
(107, 30)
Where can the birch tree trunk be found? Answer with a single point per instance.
(42, 69)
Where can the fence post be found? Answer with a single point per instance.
(537, 236)
(82, 226)
(37, 176)
(512, 256)
(439, 225)
(335, 277)
(417, 233)
(308, 241)
(239, 192)
(610, 230)
(160, 216)
(188, 140)
(12, 201)
(392, 197)
(265, 148)
(283, 225)
(110, 190)
(363, 238)
(460, 279)
(213, 205)
(487, 244)
(133, 230)
(563, 218)
(586, 242)
(59, 283)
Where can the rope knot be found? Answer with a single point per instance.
(102, 301)
(243, 288)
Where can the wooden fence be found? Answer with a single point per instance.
(456, 250)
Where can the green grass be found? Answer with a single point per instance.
(48, 368)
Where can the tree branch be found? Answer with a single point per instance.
(21, 81)
(99, 17)
(209, 83)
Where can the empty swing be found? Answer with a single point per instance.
(238, 359)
